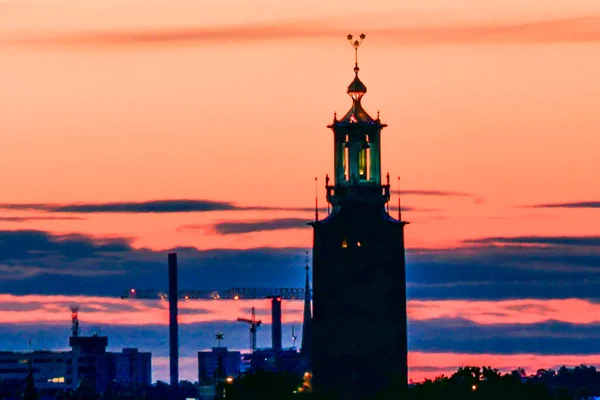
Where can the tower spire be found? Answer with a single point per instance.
(307, 323)
(357, 151)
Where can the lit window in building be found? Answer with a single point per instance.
(344, 243)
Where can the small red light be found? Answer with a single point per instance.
(132, 290)
(279, 299)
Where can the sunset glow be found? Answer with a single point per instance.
(129, 128)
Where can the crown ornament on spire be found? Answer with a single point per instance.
(356, 44)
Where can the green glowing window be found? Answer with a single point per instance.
(346, 163)
(363, 164)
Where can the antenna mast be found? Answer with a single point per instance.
(387, 203)
(399, 206)
(316, 201)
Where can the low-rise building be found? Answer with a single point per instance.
(218, 363)
(88, 360)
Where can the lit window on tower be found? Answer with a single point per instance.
(363, 164)
(344, 243)
(346, 163)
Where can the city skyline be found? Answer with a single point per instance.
(132, 128)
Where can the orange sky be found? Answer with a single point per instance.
(173, 102)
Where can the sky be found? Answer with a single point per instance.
(132, 128)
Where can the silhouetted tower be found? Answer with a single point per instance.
(75, 331)
(359, 341)
(307, 323)
(29, 391)
(276, 332)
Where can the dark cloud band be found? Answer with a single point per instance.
(152, 206)
(575, 204)
(543, 267)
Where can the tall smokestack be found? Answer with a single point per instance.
(307, 323)
(276, 323)
(173, 326)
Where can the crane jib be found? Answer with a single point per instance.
(228, 294)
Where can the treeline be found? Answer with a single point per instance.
(467, 383)
(488, 383)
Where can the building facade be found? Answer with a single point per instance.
(132, 367)
(51, 370)
(359, 345)
(284, 360)
(88, 360)
(218, 364)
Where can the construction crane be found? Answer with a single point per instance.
(174, 294)
(228, 294)
(254, 324)
(275, 294)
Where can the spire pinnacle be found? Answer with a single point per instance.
(307, 323)
(356, 44)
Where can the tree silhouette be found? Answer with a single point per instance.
(262, 385)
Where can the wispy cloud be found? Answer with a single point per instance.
(241, 227)
(541, 240)
(38, 218)
(575, 204)
(440, 193)
(19, 272)
(151, 206)
(573, 30)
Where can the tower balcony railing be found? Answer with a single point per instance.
(371, 194)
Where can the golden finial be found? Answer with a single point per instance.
(356, 44)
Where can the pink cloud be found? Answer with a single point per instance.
(574, 30)
(116, 311)
(531, 311)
